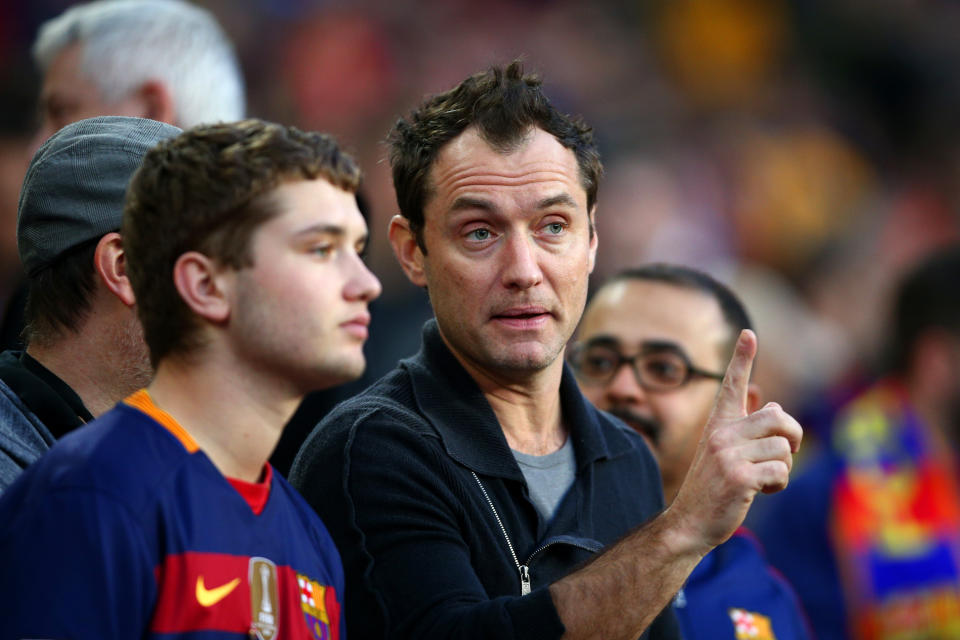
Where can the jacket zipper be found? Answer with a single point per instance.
(524, 569)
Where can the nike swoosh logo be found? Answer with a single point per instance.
(210, 597)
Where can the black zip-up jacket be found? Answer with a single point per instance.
(396, 474)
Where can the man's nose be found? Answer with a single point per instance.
(363, 285)
(623, 386)
(523, 268)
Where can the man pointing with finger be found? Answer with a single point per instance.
(473, 491)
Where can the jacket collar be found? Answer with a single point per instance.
(456, 408)
(54, 403)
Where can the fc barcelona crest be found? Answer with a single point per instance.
(320, 608)
(751, 626)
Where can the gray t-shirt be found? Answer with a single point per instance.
(548, 477)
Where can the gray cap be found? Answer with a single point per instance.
(75, 186)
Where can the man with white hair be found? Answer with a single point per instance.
(165, 60)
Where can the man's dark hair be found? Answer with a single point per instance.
(504, 104)
(59, 296)
(928, 297)
(734, 313)
(208, 190)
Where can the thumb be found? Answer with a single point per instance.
(732, 399)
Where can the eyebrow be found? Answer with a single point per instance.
(329, 229)
(463, 203)
(661, 345)
(603, 339)
(647, 346)
(552, 201)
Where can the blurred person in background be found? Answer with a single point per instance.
(17, 113)
(869, 532)
(165, 60)
(651, 350)
(85, 348)
(243, 247)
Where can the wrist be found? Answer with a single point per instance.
(679, 535)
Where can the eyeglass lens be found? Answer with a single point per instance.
(655, 369)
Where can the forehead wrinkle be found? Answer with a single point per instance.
(473, 175)
(464, 168)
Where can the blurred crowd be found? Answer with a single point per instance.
(803, 151)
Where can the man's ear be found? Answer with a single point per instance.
(408, 252)
(157, 101)
(203, 285)
(753, 397)
(110, 263)
(593, 237)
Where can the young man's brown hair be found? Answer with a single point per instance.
(219, 179)
(504, 104)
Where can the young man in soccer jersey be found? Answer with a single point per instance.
(243, 244)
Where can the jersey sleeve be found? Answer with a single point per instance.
(73, 564)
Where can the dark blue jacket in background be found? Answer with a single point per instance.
(391, 473)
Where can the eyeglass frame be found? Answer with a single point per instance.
(647, 349)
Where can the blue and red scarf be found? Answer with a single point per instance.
(895, 521)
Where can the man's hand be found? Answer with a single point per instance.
(738, 456)
(624, 588)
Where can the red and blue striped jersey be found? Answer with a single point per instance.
(125, 529)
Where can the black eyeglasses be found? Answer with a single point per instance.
(655, 368)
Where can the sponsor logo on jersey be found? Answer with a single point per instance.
(209, 597)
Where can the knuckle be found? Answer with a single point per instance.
(783, 449)
(719, 440)
(776, 412)
(779, 472)
(742, 476)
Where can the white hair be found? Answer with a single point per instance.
(128, 42)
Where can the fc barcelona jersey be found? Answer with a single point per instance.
(125, 529)
(733, 594)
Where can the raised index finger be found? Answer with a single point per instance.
(732, 400)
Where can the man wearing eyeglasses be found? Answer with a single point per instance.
(654, 342)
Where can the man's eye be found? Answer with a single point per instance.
(480, 234)
(556, 228)
(598, 363)
(664, 369)
(322, 250)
